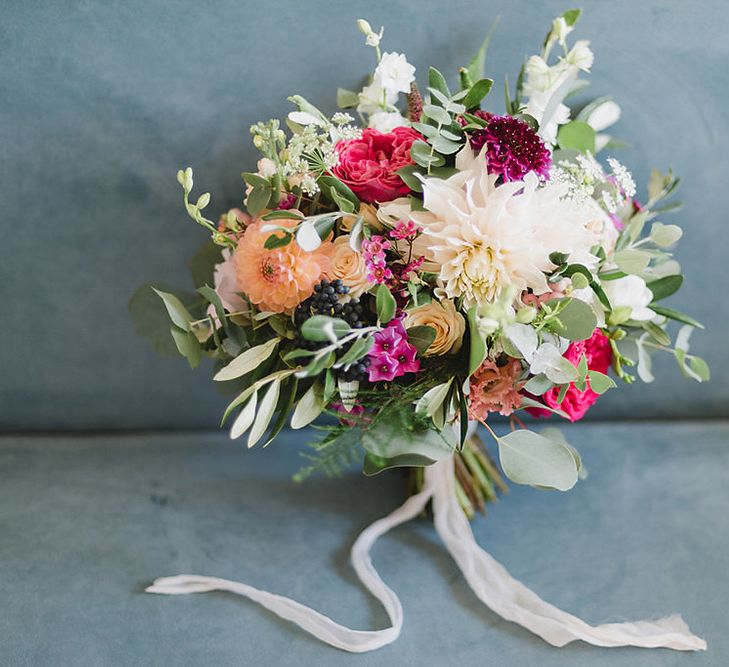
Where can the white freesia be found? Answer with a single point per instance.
(580, 56)
(394, 73)
(372, 38)
(373, 98)
(560, 30)
(631, 292)
(547, 86)
(486, 239)
(386, 121)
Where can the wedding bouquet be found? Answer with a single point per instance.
(421, 268)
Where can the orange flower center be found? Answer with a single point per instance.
(269, 270)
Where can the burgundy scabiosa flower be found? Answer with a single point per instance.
(513, 148)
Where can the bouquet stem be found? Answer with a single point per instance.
(477, 479)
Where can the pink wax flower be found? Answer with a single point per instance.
(373, 253)
(576, 403)
(513, 148)
(405, 230)
(392, 355)
(369, 164)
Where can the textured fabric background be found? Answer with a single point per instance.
(103, 101)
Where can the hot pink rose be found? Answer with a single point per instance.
(576, 403)
(368, 165)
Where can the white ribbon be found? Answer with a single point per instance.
(490, 581)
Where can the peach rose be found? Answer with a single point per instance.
(349, 266)
(448, 323)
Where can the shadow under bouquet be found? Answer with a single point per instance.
(411, 273)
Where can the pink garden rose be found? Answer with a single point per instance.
(576, 403)
(368, 165)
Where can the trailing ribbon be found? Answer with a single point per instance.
(490, 581)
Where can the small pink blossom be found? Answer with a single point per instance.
(392, 355)
(405, 230)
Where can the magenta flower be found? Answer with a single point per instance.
(373, 253)
(513, 148)
(392, 356)
(404, 230)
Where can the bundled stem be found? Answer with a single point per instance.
(477, 482)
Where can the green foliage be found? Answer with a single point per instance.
(151, 319)
(385, 304)
(477, 66)
(576, 135)
(530, 458)
(339, 449)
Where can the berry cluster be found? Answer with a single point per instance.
(332, 298)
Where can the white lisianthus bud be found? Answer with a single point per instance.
(604, 115)
(580, 55)
(630, 292)
(372, 38)
(386, 121)
(394, 73)
(560, 30)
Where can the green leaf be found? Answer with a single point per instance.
(264, 413)
(446, 146)
(388, 440)
(599, 382)
(277, 241)
(150, 318)
(187, 345)
(245, 418)
(577, 135)
(287, 395)
(247, 361)
(421, 337)
(571, 16)
(632, 261)
(529, 458)
(385, 304)
(407, 174)
(175, 309)
(576, 320)
(437, 80)
(321, 328)
(258, 198)
(359, 349)
(664, 287)
(477, 351)
(438, 114)
(202, 264)
(212, 297)
(700, 368)
(476, 68)
(665, 236)
(423, 155)
(309, 407)
(677, 315)
(477, 92)
(282, 215)
(538, 385)
(430, 402)
(347, 99)
(255, 180)
(307, 107)
(332, 187)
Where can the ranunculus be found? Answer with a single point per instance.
(494, 388)
(369, 164)
(448, 323)
(349, 266)
(576, 403)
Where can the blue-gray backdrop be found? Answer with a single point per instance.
(103, 101)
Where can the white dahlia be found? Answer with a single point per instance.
(486, 238)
